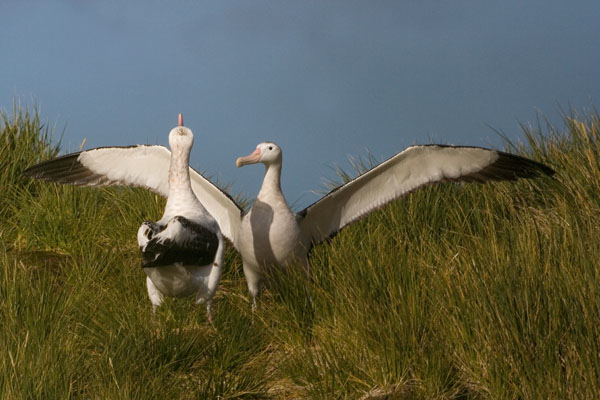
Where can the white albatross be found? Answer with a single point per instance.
(270, 234)
(183, 252)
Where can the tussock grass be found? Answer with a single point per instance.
(456, 291)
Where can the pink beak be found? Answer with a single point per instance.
(249, 159)
(180, 120)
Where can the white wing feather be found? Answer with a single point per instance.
(406, 171)
(143, 166)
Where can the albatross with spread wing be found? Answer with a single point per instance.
(183, 252)
(270, 234)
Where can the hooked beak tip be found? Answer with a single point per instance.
(249, 159)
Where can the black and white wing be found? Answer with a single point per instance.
(143, 166)
(180, 241)
(406, 171)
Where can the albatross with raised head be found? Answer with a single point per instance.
(270, 234)
(183, 252)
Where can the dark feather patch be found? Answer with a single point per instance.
(199, 249)
(58, 169)
(507, 167)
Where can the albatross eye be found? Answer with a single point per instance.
(270, 147)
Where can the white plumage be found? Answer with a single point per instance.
(183, 252)
(271, 234)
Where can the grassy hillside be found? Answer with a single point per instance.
(456, 291)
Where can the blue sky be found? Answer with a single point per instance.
(324, 79)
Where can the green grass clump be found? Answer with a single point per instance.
(455, 291)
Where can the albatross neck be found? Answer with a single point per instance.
(271, 186)
(179, 172)
(181, 199)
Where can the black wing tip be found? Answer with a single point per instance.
(30, 171)
(59, 169)
(48, 165)
(546, 170)
(521, 167)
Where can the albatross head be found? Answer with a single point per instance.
(181, 137)
(267, 153)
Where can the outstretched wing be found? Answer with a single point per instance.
(406, 171)
(143, 166)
